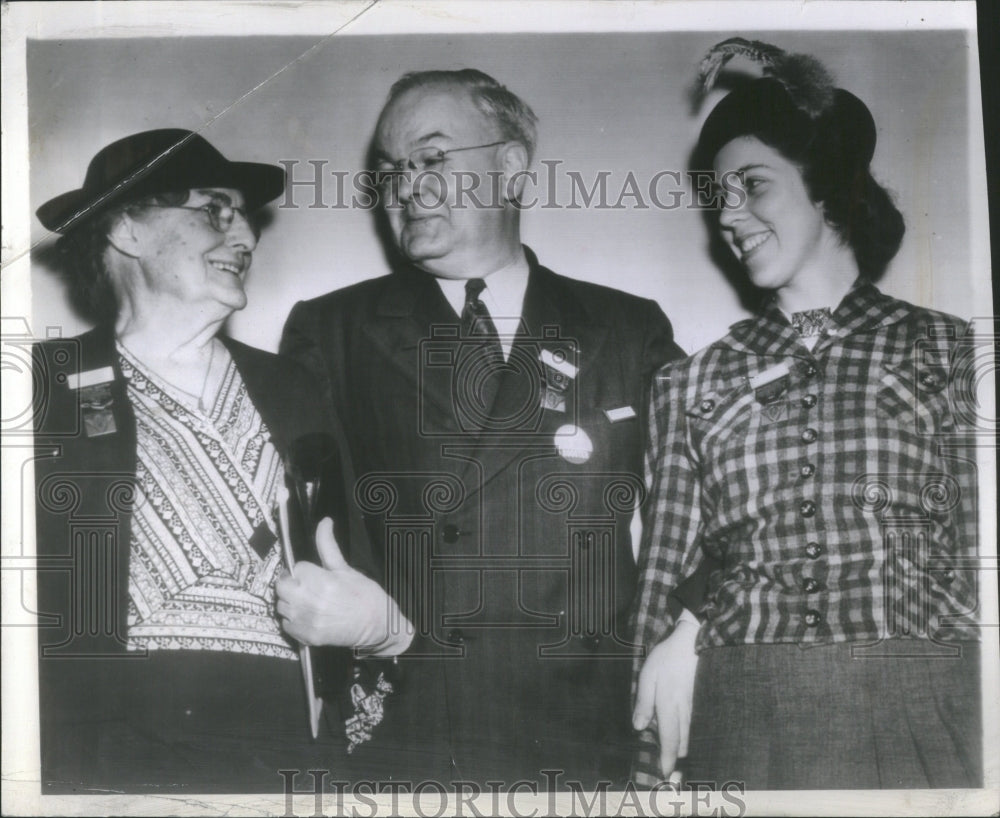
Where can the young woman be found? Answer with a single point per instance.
(813, 460)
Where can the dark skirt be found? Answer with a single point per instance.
(179, 721)
(777, 717)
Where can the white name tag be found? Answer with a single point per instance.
(621, 413)
(558, 364)
(81, 380)
(769, 375)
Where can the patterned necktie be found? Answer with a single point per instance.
(476, 319)
(811, 322)
(481, 359)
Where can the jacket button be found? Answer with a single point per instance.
(811, 586)
(450, 532)
(707, 406)
(931, 381)
(809, 436)
(810, 370)
(813, 618)
(456, 636)
(808, 470)
(807, 508)
(813, 550)
(808, 401)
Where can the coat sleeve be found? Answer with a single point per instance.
(672, 521)
(660, 350)
(672, 526)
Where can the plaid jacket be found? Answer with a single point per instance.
(833, 491)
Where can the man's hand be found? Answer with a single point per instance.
(666, 688)
(337, 605)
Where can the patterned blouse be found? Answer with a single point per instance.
(204, 554)
(835, 489)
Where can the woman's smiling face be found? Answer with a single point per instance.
(186, 259)
(768, 220)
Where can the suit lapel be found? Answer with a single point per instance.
(553, 319)
(415, 331)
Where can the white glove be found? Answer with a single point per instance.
(338, 605)
(666, 689)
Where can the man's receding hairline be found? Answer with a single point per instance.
(438, 85)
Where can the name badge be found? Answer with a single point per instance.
(92, 377)
(768, 375)
(96, 402)
(621, 413)
(559, 374)
(770, 385)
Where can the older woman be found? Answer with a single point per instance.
(163, 662)
(812, 459)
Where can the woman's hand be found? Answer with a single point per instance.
(338, 605)
(666, 688)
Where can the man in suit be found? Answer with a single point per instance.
(495, 413)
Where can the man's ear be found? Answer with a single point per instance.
(124, 236)
(515, 165)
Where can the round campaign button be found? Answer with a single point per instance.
(573, 444)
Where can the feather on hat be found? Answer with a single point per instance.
(805, 78)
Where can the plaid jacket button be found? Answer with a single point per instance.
(807, 508)
(813, 550)
(813, 618)
(809, 436)
(808, 470)
(707, 406)
(808, 401)
(931, 381)
(811, 586)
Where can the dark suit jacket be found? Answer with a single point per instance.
(84, 492)
(514, 563)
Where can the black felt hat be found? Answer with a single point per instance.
(794, 103)
(168, 159)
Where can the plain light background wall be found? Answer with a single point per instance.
(606, 102)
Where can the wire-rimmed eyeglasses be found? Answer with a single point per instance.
(221, 215)
(421, 160)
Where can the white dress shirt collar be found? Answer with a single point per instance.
(503, 297)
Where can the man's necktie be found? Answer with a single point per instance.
(482, 355)
(476, 319)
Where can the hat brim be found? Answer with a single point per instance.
(259, 183)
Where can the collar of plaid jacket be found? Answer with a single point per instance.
(863, 308)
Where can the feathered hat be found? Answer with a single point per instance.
(794, 106)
